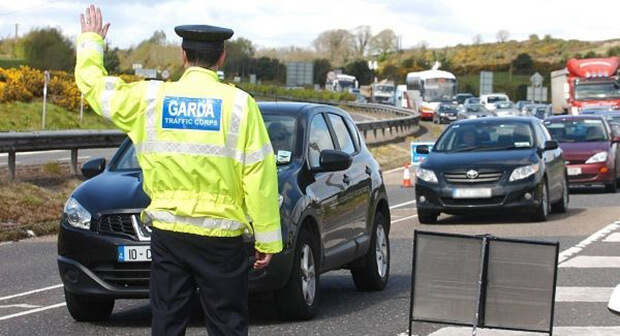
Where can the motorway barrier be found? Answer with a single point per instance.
(402, 123)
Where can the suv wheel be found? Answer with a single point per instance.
(427, 217)
(87, 308)
(298, 300)
(373, 276)
(562, 205)
(542, 211)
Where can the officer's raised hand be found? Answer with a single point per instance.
(92, 22)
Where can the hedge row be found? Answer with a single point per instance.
(273, 91)
(25, 84)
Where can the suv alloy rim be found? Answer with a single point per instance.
(381, 251)
(308, 276)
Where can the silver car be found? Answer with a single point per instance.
(473, 111)
(506, 109)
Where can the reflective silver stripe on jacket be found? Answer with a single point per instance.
(98, 48)
(204, 222)
(268, 237)
(149, 113)
(229, 150)
(256, 156)
(106, 97)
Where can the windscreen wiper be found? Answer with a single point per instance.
(466, 149)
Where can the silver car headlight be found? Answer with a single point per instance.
(77, 216)
(598, 157)
(426, 175)
(524, 172)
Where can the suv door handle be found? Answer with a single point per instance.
(368, 171)
(346, 179)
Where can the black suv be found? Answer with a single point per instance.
(334, 211)
(492, 164)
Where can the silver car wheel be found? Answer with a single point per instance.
(308, 275)
(381, 251)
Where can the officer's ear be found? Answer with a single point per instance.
(220, 61)
(183, 56)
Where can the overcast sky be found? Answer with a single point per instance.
(277, 23)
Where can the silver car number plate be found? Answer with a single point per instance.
(472, 193)
(134, 253)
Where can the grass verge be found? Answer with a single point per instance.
(23, 117)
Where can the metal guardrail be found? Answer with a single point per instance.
(405, 123)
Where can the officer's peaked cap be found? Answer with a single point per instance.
(203, 37)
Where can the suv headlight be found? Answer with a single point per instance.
(280, 199)
(426, 175)
(598, 157)
(523, 172)
(77, 216)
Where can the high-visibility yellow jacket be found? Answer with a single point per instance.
(202, 145)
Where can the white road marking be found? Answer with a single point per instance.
(612, 238)
(592, 262)
(20, 306)
(566, 254)
(402, 205)
(583, 294)
(34, 153)
(557, 331)
(32, 311)
(30, 292)
(6, 164)
(393, 170)
(403, 219)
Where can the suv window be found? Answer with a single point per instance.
(320, 139)
(128, 160)
(354, 131)
(342, 134)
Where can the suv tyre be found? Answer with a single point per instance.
(299, 298)
(87, 308)
(374, 275)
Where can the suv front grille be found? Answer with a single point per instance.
(496, 200)
(126, 275)
(117, 224)
(460, 177)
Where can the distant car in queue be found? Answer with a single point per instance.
(492, 164)
(542, 112)
(461, 97)
(333, 207)
(591, 149)
(473, 111)
(505, 109)
(445, 113)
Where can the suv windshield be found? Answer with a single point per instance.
(282, 131)
(577, 130)
(494, 135)
(496, 99)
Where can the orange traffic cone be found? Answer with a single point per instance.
(406, 177)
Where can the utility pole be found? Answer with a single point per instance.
(16, 31)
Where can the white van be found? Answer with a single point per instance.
(489, 100)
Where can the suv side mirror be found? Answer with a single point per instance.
(423, 149)
(94, 167)
(333, 160)
(615, 138)
(551, 145)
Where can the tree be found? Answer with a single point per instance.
(613, 51)
(477, 39)
(48, 49)
(384, 42)
(321, 68)
(534, 38)
(359, 69)
(336, 45)
(361, 38)
(110, 60)
(269, 69)
(239, 53)
(390, 72)
(523, 64)
(502, 35)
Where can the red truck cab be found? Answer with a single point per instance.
(593, 82)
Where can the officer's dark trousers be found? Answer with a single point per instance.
(183, 262)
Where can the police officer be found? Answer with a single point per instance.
(207, 164)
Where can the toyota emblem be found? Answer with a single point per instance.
(471, 174)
